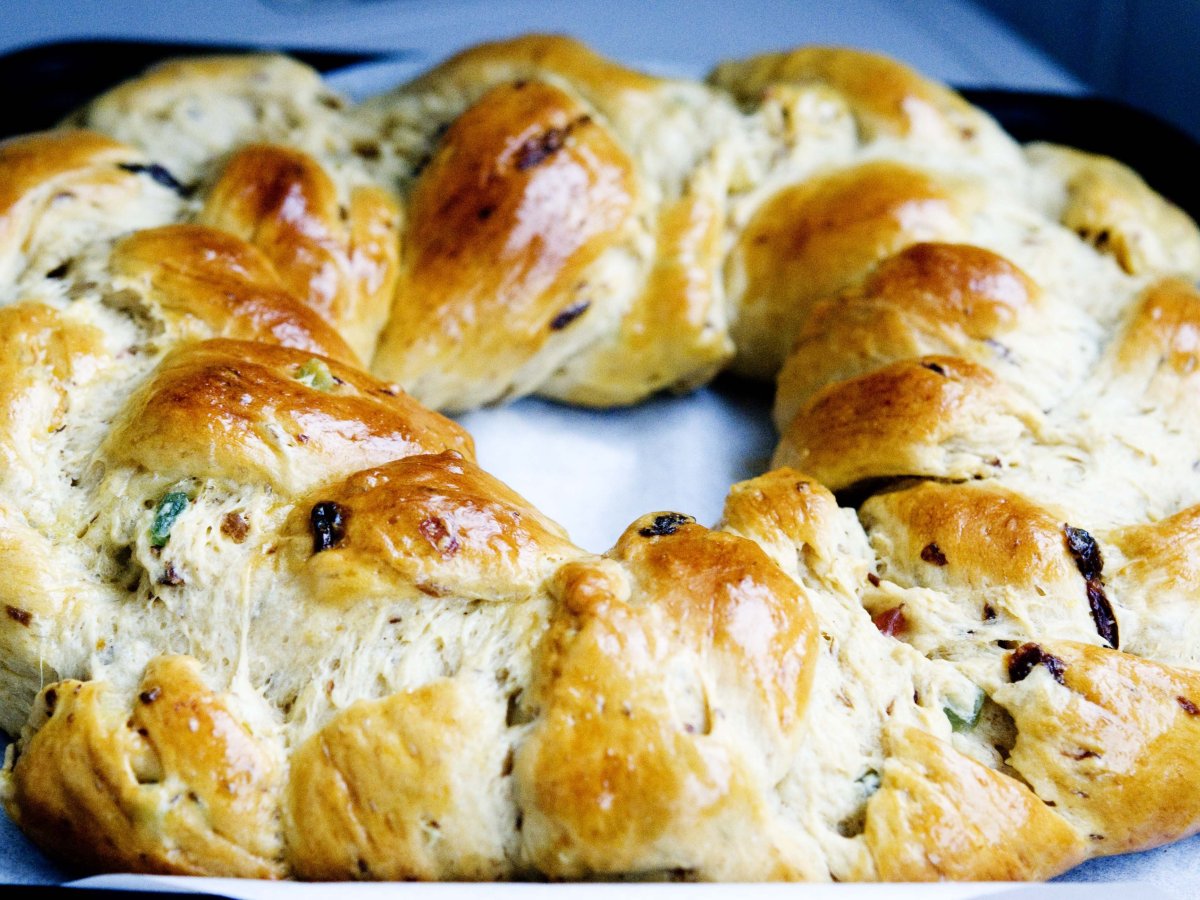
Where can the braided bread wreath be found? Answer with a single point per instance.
(266, 617)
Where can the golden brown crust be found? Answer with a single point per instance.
(1163, 554)
(1111, 207)
(241, 410)
(673, 335)
(939, 815)
(39, 346)
(983, 535)
(938, 417)
(959, 285)
(524, 192)
(812, 239)
(433, 525)
(887, 96)
(1155, 576)
(533, 56)
(928, 298)
(378, 793)
(83, 179)
(786, 508)
(1164, 329)
(646, 311)
(616, 776)
(341, 259)
(723, 579)
(1009, 567)
(171, 780)
(201, 273)
(1110, 740)
(30, 163)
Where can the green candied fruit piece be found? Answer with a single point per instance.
(960, 722)
(316, 375)
(869, 781)
(168, 510)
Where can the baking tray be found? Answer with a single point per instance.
(52, 80)
(55, 79)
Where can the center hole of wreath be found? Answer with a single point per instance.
(595, 471)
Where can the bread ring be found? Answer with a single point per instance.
(265, 615)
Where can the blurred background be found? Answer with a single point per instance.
(1142, 51)
(1146, 52)
(957, 40)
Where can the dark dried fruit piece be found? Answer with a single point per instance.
(328, 523)
(170, 576)
(666, 523)
(1088, 559)
(569, 315)
(235, 527)
(1085, 551)
(539, 148)
(18, 615)
(1027, 657)
(158, 174)
(1102, 613)
(151, 695)
(933, 555)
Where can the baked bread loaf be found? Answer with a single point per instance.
(266, 617)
